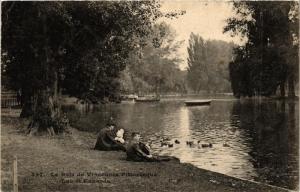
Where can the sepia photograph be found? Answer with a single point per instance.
(149, 95)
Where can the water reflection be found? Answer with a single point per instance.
(184, 134)
(213, 126)
(274, 144)
(261, 136)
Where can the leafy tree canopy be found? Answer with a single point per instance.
(269, 58)
(207, 64)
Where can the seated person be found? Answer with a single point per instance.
(110, 139)
(138, 151)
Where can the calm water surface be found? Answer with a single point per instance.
(262, 136)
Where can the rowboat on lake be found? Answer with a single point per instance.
(197, 102)
(147, 99)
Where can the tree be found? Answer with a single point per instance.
(197, 60)
(241, 84)
(207, 64)
(75, 47)
(270, 28)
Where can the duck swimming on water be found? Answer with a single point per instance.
(166, 139)
(190, 143)
(206, 145)
(226, 145)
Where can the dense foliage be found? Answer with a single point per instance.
(269, 59)
(207, 64)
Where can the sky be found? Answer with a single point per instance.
(202, 17)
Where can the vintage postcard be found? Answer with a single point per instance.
(149, 96)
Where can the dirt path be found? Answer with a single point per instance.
(68, 164)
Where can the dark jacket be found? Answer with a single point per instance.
(138, 152)
(106, 141)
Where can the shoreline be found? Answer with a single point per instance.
(62, 163)
(73, 101)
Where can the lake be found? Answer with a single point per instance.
(252, 139)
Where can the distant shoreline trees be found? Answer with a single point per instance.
(207, 64)
(268, 62)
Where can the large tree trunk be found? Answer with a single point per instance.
(43, 118)
(46, 115)
(43, 114)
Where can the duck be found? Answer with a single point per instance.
(166, 139)
(163, 144)
(206, 145)
(190, 143)
(170, 145)
(177, 141)
(226, 145)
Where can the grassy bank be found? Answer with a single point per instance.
(67, 163)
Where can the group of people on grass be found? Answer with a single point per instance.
(111, 138)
